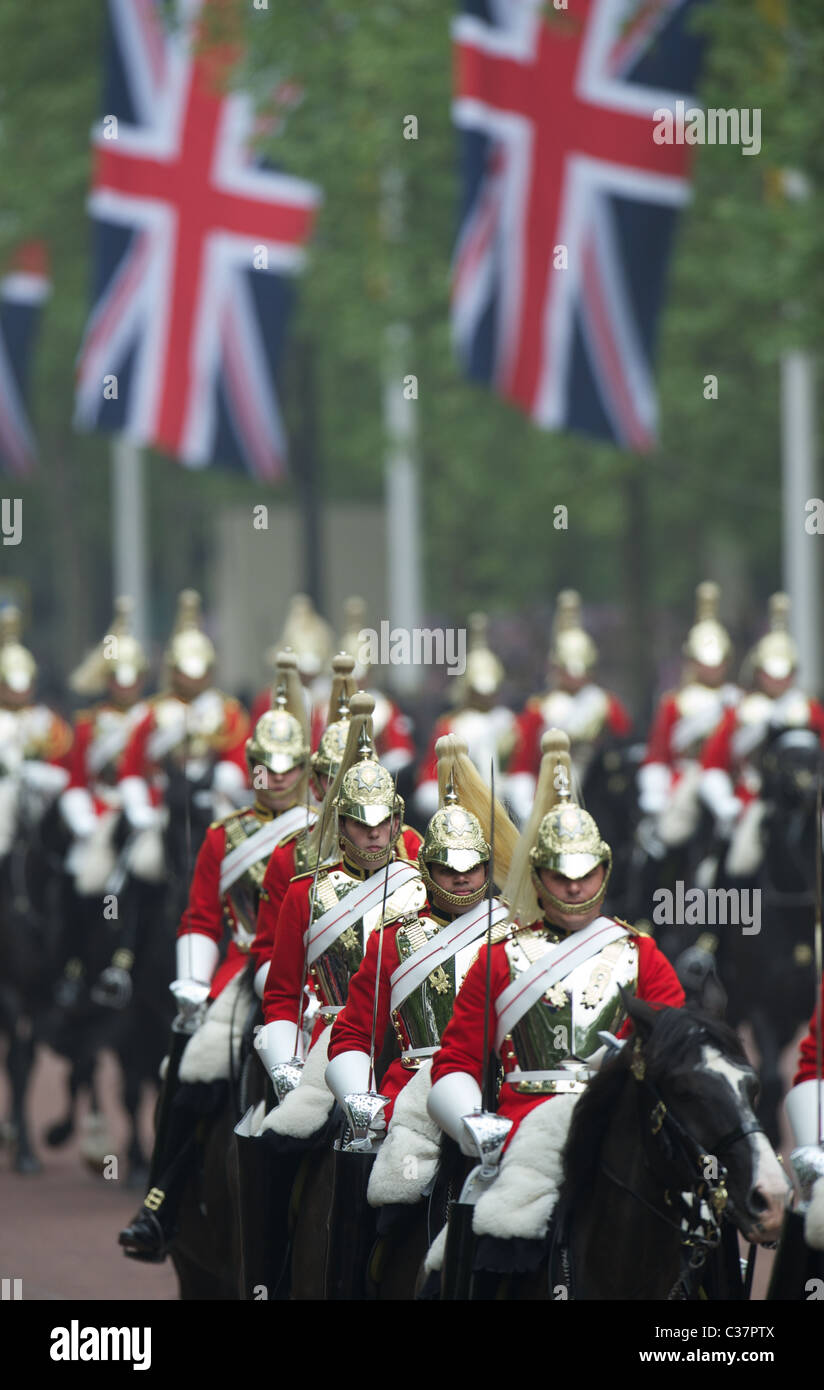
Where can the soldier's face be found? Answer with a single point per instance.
(279, 786)
(775, 686)
(572, 891)
(367, 836)
(460, 881)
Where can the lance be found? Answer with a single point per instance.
(380, 942)
(488, 1130)
(819, 987)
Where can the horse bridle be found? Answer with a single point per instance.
(704, 1190)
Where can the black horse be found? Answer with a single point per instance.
(769, 973)
(663, 1153)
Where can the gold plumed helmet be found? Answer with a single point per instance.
(708, 642)
(118, 657)
(18, 667)
(307, 635)
(363, 789)
(327, 758)
(189, 651)
(458, 834)
(354, 620)
(484, 673)
(573, 650)
(559, 836)
(776, 653)
(280, 740)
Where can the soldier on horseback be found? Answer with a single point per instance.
(731, 777)
(224, 895)
(586, 712)
(669, 778)
(557, 966)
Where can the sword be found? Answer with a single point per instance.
(487, 1088)
(380, 943)
(819, 989)
(312, 898)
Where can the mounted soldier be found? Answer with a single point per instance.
(402, 997)
(669, 779)
(391, 728)
(298, 854)
(587, 713)
(224, 896)
(731, 776)
(486, 726)
(556, 968)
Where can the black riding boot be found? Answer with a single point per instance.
(148, 1235)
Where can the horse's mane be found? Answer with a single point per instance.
(675, 1035)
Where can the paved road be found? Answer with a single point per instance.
(58, 1231)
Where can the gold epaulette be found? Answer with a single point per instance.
(503, 931)
(633, 930)
(240, 811)
(310, 873)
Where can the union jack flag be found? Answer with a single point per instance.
(196, 244)
(569, 204)
(22, 292)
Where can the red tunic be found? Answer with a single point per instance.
(352, 1029)
(531, 725)
(281, 999)
(462, 1045)
(718, 750)
(204, 911)
(279, 873)
(100, 723)
(229, 742)
(806, 1053)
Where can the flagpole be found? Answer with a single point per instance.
(129, 530)
(401, 459)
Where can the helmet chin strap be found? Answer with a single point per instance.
(368, 859)
(450, 902)
(550, 903)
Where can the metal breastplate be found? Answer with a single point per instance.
(333, 970)
(700, 706)
(421, 1018)
(565, 1023)
(240, 903)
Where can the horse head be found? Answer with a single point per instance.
(791, 763)
(696, 1092)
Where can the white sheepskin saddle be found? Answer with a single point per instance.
(409, 1155)
(306, 1109)
(215, 1047)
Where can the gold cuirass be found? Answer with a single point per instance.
(240, 903)
(567, 1020)
(333, 970)
(420, 1020)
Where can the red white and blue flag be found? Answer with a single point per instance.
(569, 205)
(196, 244)
(22, 292)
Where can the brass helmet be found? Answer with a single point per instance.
(354, 620)
(363, 790)
(708, 642)
(573, 650)
(280, 740)
(189, 651)
(559, 835)
(776, 653)
(484, 673)
(327, 758)
(118, 657)
(18, 667)
(307, 634)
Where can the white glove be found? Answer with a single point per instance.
(801, 1105)
(717, 793)
(453, 1096)
(43, 777)
(228, 779)
(276, 1042)
(654, 780)
(196, 960)
(348, 1074)
(137, 806)
(77, 810)
(261, 975)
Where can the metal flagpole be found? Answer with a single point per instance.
(129, 530)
